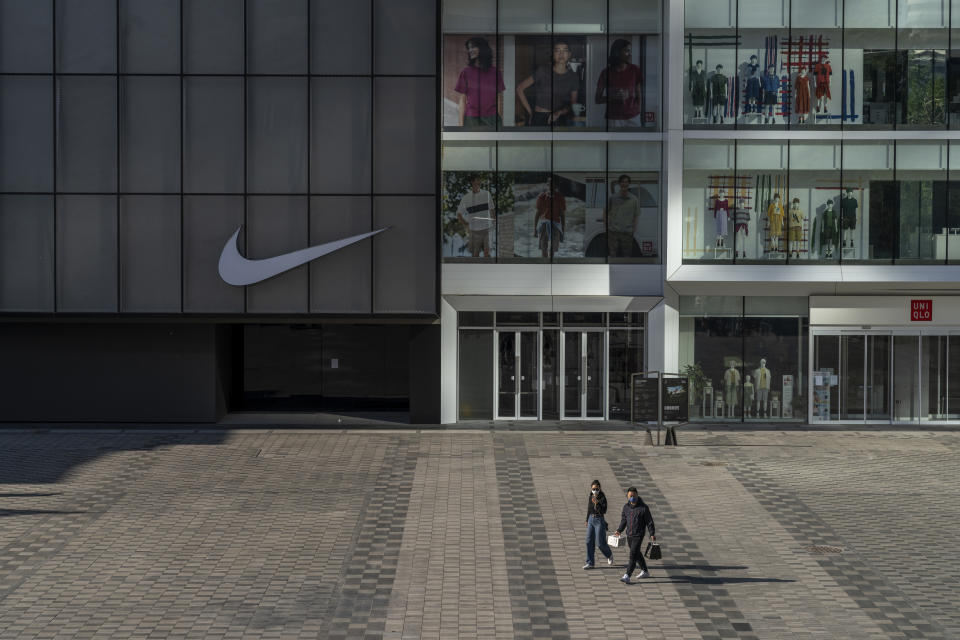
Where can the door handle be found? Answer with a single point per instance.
(512, 378)
(523, 378)
(589, 378)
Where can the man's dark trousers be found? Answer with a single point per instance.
(636, 554)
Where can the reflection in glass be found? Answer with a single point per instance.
(815, 192)
(922, 57)
(710, 190)
(869, 202)
(551, 374)
(572, 374)
(626, 358)
(921, 174)
(826, 379)
(507, 374)
(529, 381)
(775, 363)
(878, 376)
(906, 384)
(473, 82)
(934, 374)
(593, 385)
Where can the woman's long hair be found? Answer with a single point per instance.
(615, 49)
(484, 59)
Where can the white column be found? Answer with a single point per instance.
(663, 334)
(448, 363)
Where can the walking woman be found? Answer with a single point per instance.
(596, 525)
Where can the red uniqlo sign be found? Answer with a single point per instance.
(921, 310)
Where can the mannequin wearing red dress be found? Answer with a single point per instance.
(802, 90)
(822, 72)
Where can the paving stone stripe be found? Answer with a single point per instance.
(708, 602)
(535, 600)
(363, 597)
(879, 597)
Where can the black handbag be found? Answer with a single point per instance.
(653, 551)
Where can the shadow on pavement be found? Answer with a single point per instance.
(6, 513)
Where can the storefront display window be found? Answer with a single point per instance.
(858, 63)
(746, 357)
(862, 201)
(541, 201)
(537, 65)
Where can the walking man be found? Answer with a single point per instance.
(596, 525)
(634, 518)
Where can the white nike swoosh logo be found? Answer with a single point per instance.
(239, 271)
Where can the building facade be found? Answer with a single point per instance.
(535, 198)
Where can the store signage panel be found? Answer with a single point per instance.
(921, 311)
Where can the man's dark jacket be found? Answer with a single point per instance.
(634, 518)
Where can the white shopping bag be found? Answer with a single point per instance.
(616, 541)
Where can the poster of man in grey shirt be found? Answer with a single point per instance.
(621, 217)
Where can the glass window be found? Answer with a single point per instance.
(632, 320)
(466, 16)
(760, 199)
(150, 254)
(150, 140)
(26, 128)
(580, 178)
(710, 191)
(207, 222)
(813, 204)
(528, 195)
(277, 225)
(623, 79)
(626, 358)
(475, 375)
(869, 202)
(212, 36)
(404, 141)
(766, 61)
(952, 231)
(86, 36)
(635, 166)
(470, 200)
(26, 32)
(86, 253)
(869, 44)
(525, 16)
(475, 319)
(813, 59)
(577, 319)
(334, 218)
(276, 36)
(340, 135)
(953, 67)
(745, 357)
(26, 253)
(405, 259)
(517, 319)
(340, 37)
(87, 133)
(629, 16)
(551, 80)
(213, 135)
(408, 27)
(710, 54)
(277, 135)
(150, 36)
(922, 58)
(922, 180)
(473, 86)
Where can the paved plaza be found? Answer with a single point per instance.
(460, 533)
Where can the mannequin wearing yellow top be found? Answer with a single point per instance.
(775, 218)
(763, 387)
(731, 390)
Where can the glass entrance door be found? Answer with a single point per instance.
(583, 374)
(518, 368)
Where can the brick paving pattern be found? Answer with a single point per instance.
(475, 533)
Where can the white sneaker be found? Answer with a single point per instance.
(643, 574)
(610, 560)
(625, 579)
(588, 566)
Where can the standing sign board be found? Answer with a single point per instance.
(675, 405)
(645, 403)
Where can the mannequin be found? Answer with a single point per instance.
(771, 94)
(698, 89)
(752, 91)
(731, 388)
(795, 232)
(775, 218)
(748, 398)
(718, 94)
(721, 215)
(829, 231)
(822, 72)
(763, 388)
(802, 89)
(741, 229)
(848, 216)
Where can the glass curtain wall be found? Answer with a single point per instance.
(551, 201)
(879, 64)
(746, 357)
(862, 201)
(541, 65)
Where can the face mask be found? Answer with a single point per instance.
(594, 491)
(633, 499)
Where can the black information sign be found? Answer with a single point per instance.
(645, 406)
(675, 407)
